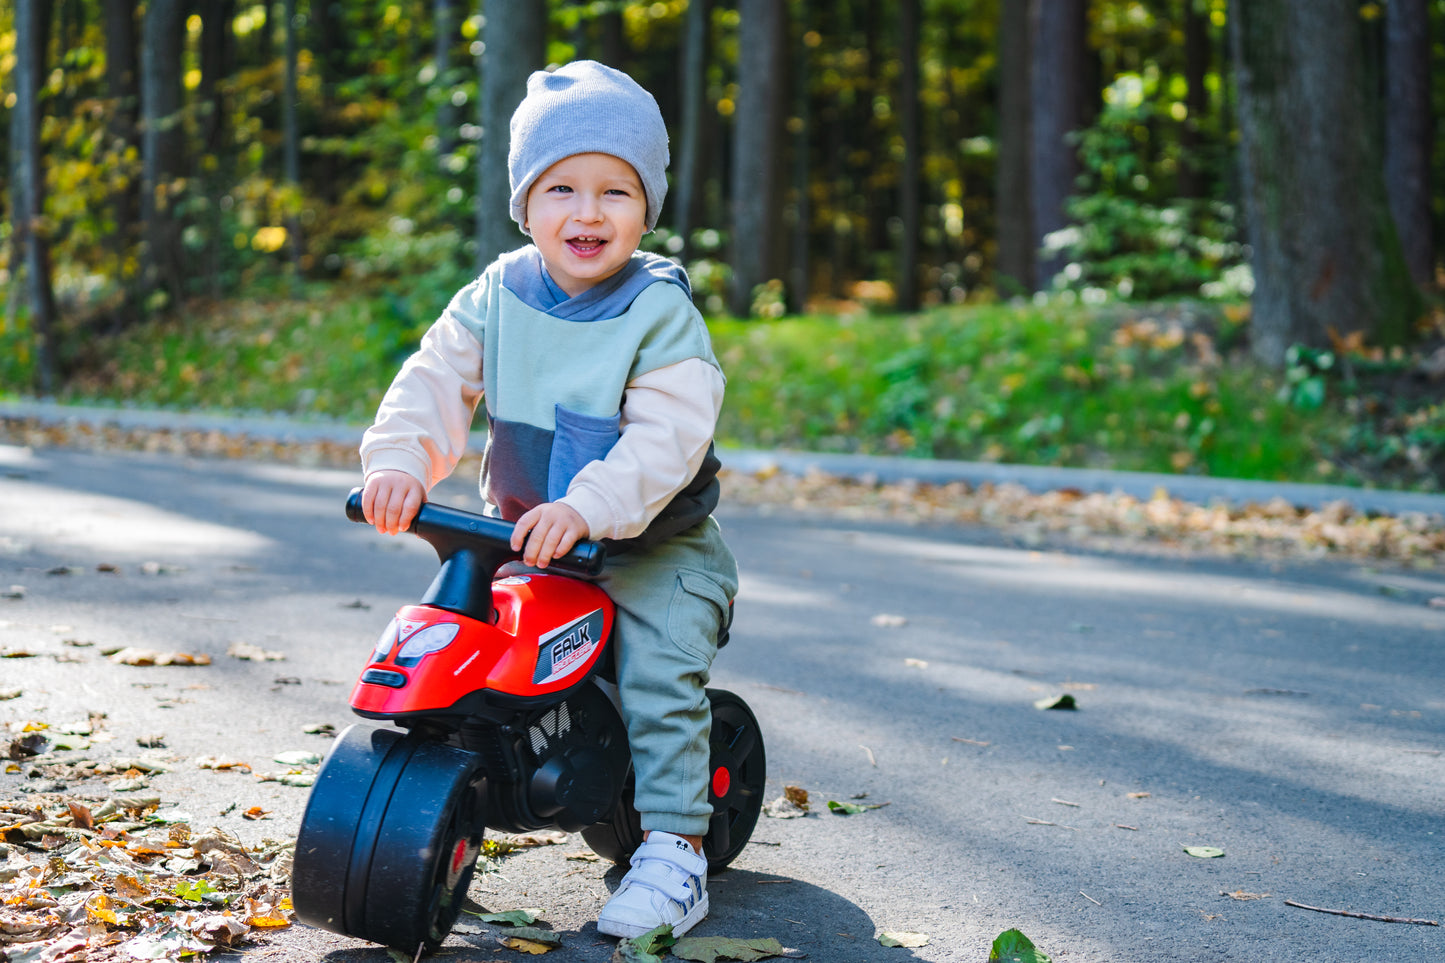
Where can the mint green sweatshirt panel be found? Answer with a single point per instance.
(533, 361)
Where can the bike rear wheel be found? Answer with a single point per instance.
(738, 772)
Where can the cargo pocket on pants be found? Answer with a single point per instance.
(695, 617)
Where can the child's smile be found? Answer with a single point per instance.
(586, 214)
(586, 246)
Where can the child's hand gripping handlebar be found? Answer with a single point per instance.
(471, 548)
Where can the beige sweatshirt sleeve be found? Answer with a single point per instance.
(668, 419)
(422, 425)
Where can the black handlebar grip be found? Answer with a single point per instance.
(440, 525)
(586, 558)
(353, 506)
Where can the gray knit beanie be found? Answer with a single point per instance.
(586, 108)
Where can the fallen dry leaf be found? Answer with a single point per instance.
(131, 655)
(792, 804)
(253, 653)
(710, 949)
(215, 762)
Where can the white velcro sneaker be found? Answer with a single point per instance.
(666, 884)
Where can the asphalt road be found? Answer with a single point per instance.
(1291, 715)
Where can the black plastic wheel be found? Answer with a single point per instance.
(328, 835)
(390, 839)
(738, 772)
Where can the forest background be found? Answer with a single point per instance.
(1179, 235)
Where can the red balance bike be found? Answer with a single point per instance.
(503, 713)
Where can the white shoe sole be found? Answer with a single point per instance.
(630, 930)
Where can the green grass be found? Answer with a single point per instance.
(316, 357)
(1119, 387)
(1048, 385)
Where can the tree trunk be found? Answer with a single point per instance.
(613, 51)
(329, 41)
(909, 192)
(1196, 99)
(122, 81)
(31, 243)
(799, 266)
(1015, 265)
(216, 64)
(762, 92)
(1057, 65)
(291, 141)
(515, 38)
(1326, 256)
(1408, 135)
(691, 167)
(444, 15)
(161, 144)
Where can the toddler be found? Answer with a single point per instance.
(601, 394)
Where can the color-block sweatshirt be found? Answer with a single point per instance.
(605, 402)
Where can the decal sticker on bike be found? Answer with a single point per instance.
(562, 650)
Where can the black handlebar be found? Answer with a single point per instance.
(450, 530)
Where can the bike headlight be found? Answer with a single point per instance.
(384, 644)
(425, 641)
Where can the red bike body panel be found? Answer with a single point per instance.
(549, 633)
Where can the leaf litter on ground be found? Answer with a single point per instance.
(114, 882)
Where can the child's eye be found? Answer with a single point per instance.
(620, 192)
(560, 189)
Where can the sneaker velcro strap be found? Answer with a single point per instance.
(678, 892)
(689, 861)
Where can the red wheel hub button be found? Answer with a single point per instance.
(722, 781)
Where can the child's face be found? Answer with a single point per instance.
(587, 214)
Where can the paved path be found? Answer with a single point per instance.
(1292, 716)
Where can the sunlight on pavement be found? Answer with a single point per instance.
(64, 521)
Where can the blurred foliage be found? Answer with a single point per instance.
(1131, 237)
(379, 231)
(371, 92)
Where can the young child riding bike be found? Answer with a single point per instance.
(602, 393)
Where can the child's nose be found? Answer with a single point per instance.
(588, 208)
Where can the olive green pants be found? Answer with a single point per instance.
(672, 603)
